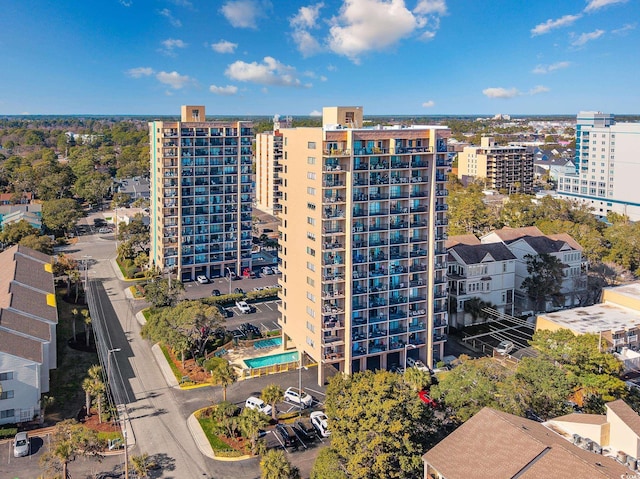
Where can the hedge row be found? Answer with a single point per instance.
(8, 432)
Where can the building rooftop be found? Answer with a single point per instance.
(596, 318)
(481, 253)
(461, 239)
(494, 444)
(597, 419)
(626, 414)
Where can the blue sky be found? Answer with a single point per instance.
(261, 57)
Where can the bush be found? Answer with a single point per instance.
(7, 432)
(262, 294)
(225, 299)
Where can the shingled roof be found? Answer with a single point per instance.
(27, 302)
(479, 253)
(497, 445)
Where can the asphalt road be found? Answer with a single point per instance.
(157, 412)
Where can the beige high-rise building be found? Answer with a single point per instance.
(200, 195)
(508, 168)
(364, 220)
(269, 167)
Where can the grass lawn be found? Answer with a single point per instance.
(66, 380)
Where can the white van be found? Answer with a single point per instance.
(253, 402)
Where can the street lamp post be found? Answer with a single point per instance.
(114, 350)
(229, 276)
(86, 259)
(406, 353)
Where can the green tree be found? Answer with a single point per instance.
(141, 464)
(69, 439)
(93, 187)
(225, 414)
(468, 214)
(327, 466)
(379, 426)
(544, 281)
(44, 244)
(518, 211)
(94, 388)
(466, 389)
(272, 394)
(159, 294)
(13, 233)
(65, 266)
(251, 422)
(275, 465)
(86, 319)
(418, 379)
(224, 374)
(60, 215)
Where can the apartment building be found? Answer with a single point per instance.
(362, 242)
(508, 168)
(606, 166)
(531, 241)
(269, 167)
(200, 195)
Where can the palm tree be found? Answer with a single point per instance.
(225, 375)
(272, 394)
(251, 421)
(74, 316)
(87, 325)
(417, 378)
(275, 465)
(141, 465)
(69, 439)
(94, 387)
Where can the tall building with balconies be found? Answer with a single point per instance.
(606, 166)
(364, 220)
(200, 195)
(269, 167)
(508, 168)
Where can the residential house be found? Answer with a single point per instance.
(28, 319)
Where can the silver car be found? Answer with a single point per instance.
(21, 445)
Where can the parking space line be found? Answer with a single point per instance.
(314, 391)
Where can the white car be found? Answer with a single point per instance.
(416, 363)
(21, 445)
(202, 279)
(275, 270)
(266, 271)
(253, 402)
(320, 422)
(293, 395)
(243, 307)
(505, 347)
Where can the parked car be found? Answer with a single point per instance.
(305, 429)
(275, 270)
(243, 307)
(21, 445)
(216, 292)
(505, 347)
(238, 291)
(425, 398)
(226, 313)
(295, 396)
(202, 279)
(416, 363)
(248, 328)
(266, 271)
(253, 402)
(287, 435)
(396, 369)
(321, 423)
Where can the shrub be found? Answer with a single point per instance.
(7, 432)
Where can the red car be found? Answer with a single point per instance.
(425, 398)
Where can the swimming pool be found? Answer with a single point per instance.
(272, 360)
(267, 343)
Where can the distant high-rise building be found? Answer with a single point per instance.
(200, 195)
(607, 166)
(269, 167)
(364, 220)
(508, 168)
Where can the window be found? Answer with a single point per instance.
(311, 191)
(311, 312)
(311, 266)
(311, 251)
(311, 160)
(311, 145)
(311, 175)
(311, 297)
(311, 236)
(311, 206)
(311, 281)
(6, 376)
(7, 413)
(6, 395)
(310, 342)
(311, 327)
(311, 221)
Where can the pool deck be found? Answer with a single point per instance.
(237, 356)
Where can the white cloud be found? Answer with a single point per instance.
(140, 72)
(538, 89)
(498, 92)
(624, 29)
(587, 37)
(165, 12)
(429, 7)
(551, 24)
(171, 44)
(332, 68)
(223, 90)
(244, 13)
(182, 3)
(594, 5)
(269, 72)
(173, 79)
(542, 69)
(323, 78)
(315, 113)
(429, 104)
(224, 46)
(365, 25)
(126, 3)
(305, 20)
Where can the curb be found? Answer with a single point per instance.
(203, 443)
(164, 367)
